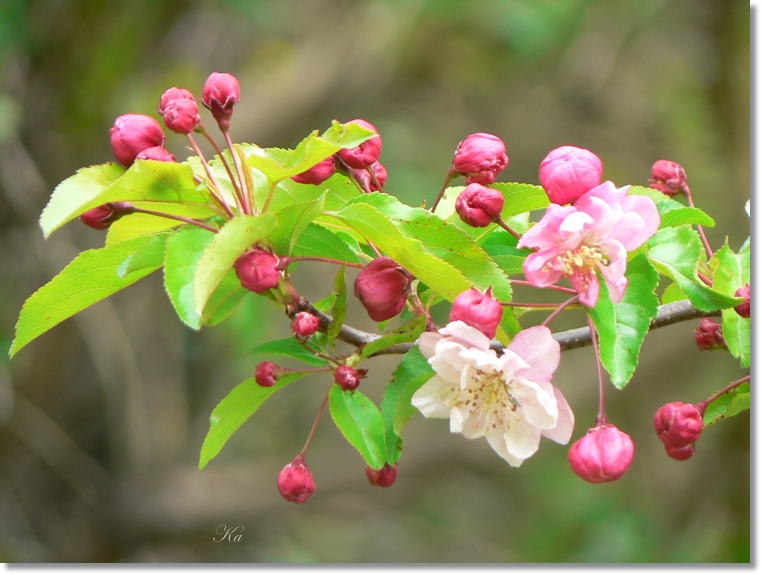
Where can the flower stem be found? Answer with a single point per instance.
(375, 179)
(551, 287)
(237, 162)
(601, 419)
(559, 309)
(213, 180)
(450, 176)
(701, 405)
(319, 259)
(705, 279)
(709, 252)
(191, 221)
(499, 221)
(532, 305)
(202, 130)
(314, 425)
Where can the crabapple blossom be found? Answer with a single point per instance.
(221, 92)
(478, 205)
(602, 455)
(509, 399)
(479, 310)
(295, 481)
(589, 237)
(362, 156)
(480, 157)
(668, 177)
(568, 172)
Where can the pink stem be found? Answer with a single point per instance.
(237, 162)
(450, 176)
(209, 173)
(551, 287)
(499, 221)
(688, 195)
(314, 425)
(601, 419)
(191, 221)
(319, 259)
(702, 405)
(202, 130)
(559, 309)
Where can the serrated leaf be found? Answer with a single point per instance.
(672, 293)
(317, 241)
(134, 225)
(675, 214)
(360, 421)
(339, 309)
(225, 299)
(728, 277)
(76, 191)
(89, 278)
(391, 339)
(520, 198)
(676, 252)
(501, 247)
(149, 255)
(289, 347)
(622, 327)
(412, 372)
(230, 413)
(229, 243)
(652, 193)
(728, 404)
(292, 221)
(184, 249)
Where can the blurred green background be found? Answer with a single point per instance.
(102, 419)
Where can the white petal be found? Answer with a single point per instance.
(427, 343)
(447, 361)
(431, 396)
(497, 442)
(539, 350)
(522, 439)
(538, 407)
(456, 420)
(564, 428)
(466, 335)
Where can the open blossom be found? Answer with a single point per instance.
(508, 398)
(592, 235)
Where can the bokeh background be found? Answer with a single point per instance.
(102, 419)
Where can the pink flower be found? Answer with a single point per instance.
(591, 236)
(480, 157)
(509, 399)
(568, 172)
(602, 455)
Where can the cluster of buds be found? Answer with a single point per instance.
(348, 378)
(479, 310)
(602, 455)
(679, 425)
(709, 335)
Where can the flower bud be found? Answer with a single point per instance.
(709, 335)
(258, 270)
(133, 133)
(174, 94)
(478, 206)
(295, 481)
(382, 287)
(602, 455)
(348, 378)
(568, 172)
(103, 216)
(318, 173)
(744, 309)
(678, 424)
(384, 477)
(680, 453)
(366, 153)
(479, 310)
(181, 116)
(366, 181)
(304, 324)
(480, 157)
(267, 373)
(221, 93)
(668, 177)
(157, 153)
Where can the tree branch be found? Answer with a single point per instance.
(667, 314)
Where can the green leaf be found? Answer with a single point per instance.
(728, 404)
(339, 309)
(393, 339)
(134, 225)
(89, 278)
(184, 249)
(520, 198)
(292, 221)
(76, 191)
(360, 421)
(230, 413)
(672, 293)
(149, 255)
(412, 372)
(289, 347)
(652, 193)
(317, 241)
(676, 252)
(728, 277)
(501, 247)
(227, 246)
(675, 214)
(622, 327)
(225, 299)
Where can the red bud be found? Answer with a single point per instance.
(318, 173)
(295, 481)
(366, 153)
(384, 477)
(478, 206)
(221, 93)
(480, 157)
(602, 455)
(568, 172)
(258, 270)
(479, 310)
(103, 216)
(181, 115)
(382, 287)
(304, 324)
(709, 335)
(157, 153)
(678, 424)
(133, 133)
(668, 177)
(744, 309)
(348, 378)
(267, 374)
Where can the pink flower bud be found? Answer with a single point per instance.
(382, 287)
(709, 335)
(602, 455)
(267, 374)
(174, 94)
(744, 309)
(348, 378)
(103, 216)
(680, 453)
(480, 157)
(304, 324)
(133, 133)
(479, 310)
(181, 116)
(366, 181)
(567, 173)
(668, 177)
(478, 206)
(384, 477)
(678, 424)
(221, 93)
(258, 270)
(318, 173)
(366, 153)
(157, 153)
(295, 481)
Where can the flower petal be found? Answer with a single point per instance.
(645, 208)
(427, 343)
(539, 350)
(466, 335)
(497, 442)
(564, 428)
(587, 287)
(522, 440)
(538, 407)
(431, 397)
(535, 270)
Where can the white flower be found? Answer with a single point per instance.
(509, 398)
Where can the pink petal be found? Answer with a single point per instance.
(536, 346)
(572, 229)
(535, 271)
(607, 191)
(587, 295)
(544, 234)
(646, 209)
(538, 406)
(465, 334)
(564, 428)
